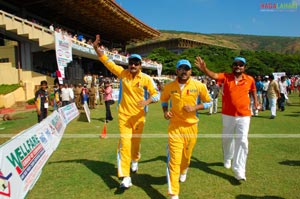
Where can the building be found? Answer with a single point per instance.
(27, 38)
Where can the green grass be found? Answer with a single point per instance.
(86, 167)
(5, 88)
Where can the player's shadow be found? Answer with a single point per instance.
(290, 162)
(107, 171)
(206, 167)
(243, 196)
(103, 169)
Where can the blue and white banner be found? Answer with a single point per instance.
(23, 157)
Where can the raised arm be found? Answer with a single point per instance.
(96, 46)
(201, 65)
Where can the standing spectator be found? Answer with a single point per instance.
(273, 94)
(55, 89)
(183, 94)
(89, 80)
(236, 113)
(65, 95)
(101, 91)
(84, 94)
(108, 100)
(57, 96)
(298, 85)
(137, 90)
(264, 93)
(51, 27)
(283, 87)
(259, 88)
(41, 101)
(77, 94)
(92, 96)
(71, 90)
(214, 93)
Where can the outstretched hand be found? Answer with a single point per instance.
(200, 63)
(96, 45)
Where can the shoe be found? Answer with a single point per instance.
(227, 164)
(134, 166)
(240, 177)
(182, 176)
(272, 117)
(126, 182)
(175, 197)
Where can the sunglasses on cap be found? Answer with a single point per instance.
(183, 68)
(238, 64)
(136, 63)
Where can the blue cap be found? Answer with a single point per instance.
(135, 56)
(183, 62)
(241, 59)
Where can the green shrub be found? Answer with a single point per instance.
(31, 101)
(8, 88)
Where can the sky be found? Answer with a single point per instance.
(217, 16)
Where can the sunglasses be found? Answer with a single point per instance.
(238, 64)
(136, 63)
(183, 68)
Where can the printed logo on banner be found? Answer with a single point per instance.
(26, 155)
(56, 122)
(5, 184)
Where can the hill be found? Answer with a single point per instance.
(284, 45)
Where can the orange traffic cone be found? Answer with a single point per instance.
(103, 134)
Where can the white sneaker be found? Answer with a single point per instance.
(227, 164)
(182, 177)
(126, 182)
(240, 177)
(175, 197)
(134, 166)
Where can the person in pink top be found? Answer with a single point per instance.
(108, 100)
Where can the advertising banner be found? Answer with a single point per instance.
(23, 157)
(69, 112)
(63, 50)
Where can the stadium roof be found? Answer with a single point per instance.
(104, 17)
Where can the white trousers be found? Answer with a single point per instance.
(235, 142)
(214, 106)
(272, 105)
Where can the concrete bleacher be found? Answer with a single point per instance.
(46, 39)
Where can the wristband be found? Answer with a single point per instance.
(207, 105)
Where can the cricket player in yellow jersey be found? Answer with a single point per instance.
(184, 95)
(137, 90)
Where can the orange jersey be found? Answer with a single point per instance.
(235, 96)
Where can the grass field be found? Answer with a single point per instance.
(84, 166)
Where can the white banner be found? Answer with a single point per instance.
(278, 75)
(115, 94)
(63, 49)
(68, 112)
(87, 111)
(23, 157)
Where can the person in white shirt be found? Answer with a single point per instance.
(65, 95)
(264, 93)
(71, 90)
(283, 93)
